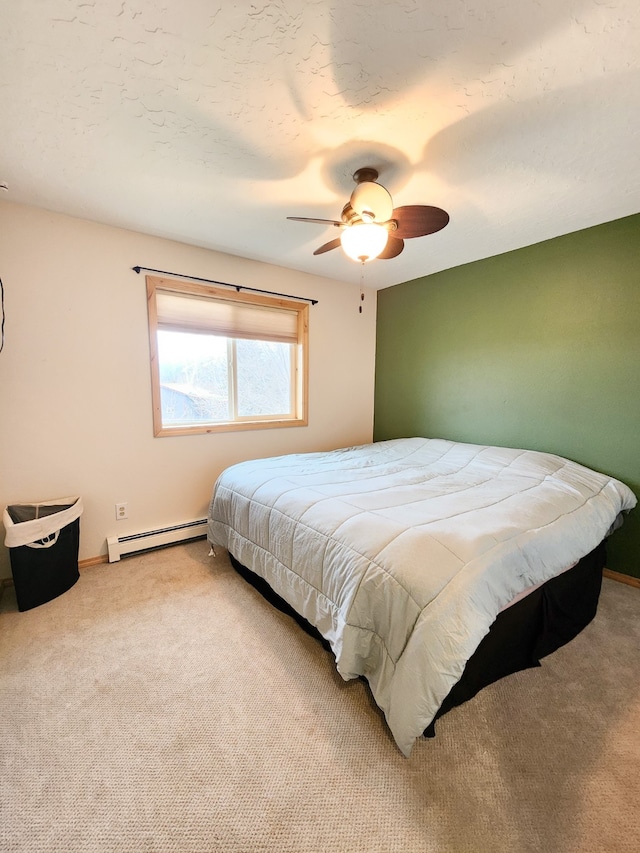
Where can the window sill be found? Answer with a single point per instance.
(230, 426)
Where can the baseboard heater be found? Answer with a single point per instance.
(149, 540)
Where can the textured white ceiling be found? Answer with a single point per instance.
(210, 123)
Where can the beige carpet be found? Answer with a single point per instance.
(161, 705)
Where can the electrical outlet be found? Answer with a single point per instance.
(121, 511)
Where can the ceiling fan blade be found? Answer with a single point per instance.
(319, 221)
(332, 244)
(417, 220)
(393, 248)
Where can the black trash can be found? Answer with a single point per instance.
(43, 541)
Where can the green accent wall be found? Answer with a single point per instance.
(538, 348)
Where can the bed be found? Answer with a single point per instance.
(430, 567)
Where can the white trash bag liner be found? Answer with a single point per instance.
(38, 524)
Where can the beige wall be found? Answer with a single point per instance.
(75, 414)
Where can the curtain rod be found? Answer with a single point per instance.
(238, 287)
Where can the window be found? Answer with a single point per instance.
(225, 360)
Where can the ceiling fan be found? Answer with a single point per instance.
(372, 227)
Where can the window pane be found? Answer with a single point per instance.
(194, 378)
(264, 378)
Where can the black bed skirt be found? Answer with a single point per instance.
(537, 625)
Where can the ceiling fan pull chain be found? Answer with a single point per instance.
(361, 287)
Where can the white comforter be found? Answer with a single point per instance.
(403, 552)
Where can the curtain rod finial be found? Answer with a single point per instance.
(136, 269)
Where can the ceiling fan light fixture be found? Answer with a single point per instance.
(371, 227)
(364, 241)
(373, 200)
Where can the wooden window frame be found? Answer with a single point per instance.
(300, 357)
